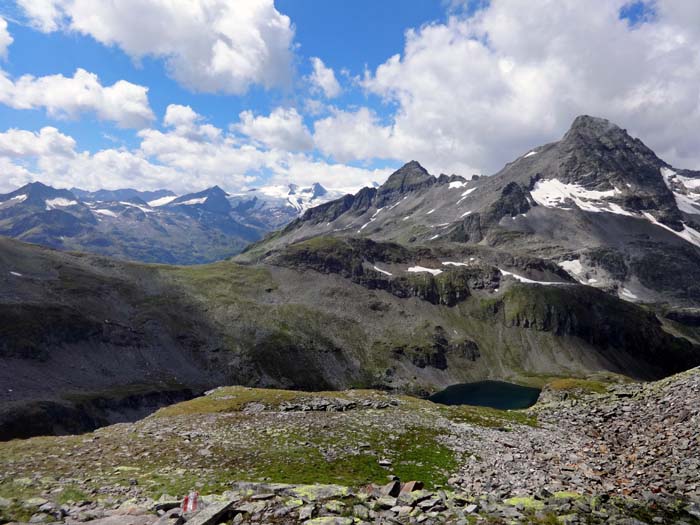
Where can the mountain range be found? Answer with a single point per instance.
(580, 258)
(152, 226)
(598, 204)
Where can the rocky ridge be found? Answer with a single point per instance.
(152, 226)
(599, 203)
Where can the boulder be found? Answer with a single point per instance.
(393, 488)
(412, 486)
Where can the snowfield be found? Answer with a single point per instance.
(59, 202)
(552, 193)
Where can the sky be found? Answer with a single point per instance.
(186, 94)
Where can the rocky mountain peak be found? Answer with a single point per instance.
(599, 138)
(37, 193)
(317, 190)
(586, 124)
(598, 155)
(216, 190)
(410, 177)
(212, 199)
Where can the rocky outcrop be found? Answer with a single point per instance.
(629, 336)
(468, 231)
(436, 350)
(349, 258)
(512, 202)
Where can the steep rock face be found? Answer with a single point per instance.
(435, 351)
(512, 202)
(468, 231)
(631, 337)
(355, 259)
(327, 212)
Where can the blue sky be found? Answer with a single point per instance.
(335, 31)
(185, 96)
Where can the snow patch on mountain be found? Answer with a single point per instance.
(422, 269)
(628, 295)
(465, 194)
(682, 188)
(689, 234)
(162, 201)
(194, 202)
(552, 193)
(528, 281)
(574, 267)
(17, 199)
(371, 220)
(382, 271)
(60, 202)
(142, 208)
(290, 195)
(106, 213)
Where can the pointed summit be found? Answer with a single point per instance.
(37, 193)
(318, 190)
(595, 148)
(212, 199)
(410, 177)
(587, 123)
(599, 135)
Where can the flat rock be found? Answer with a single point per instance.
(211, 514)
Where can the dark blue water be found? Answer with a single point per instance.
(494, 394)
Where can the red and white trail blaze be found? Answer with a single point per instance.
(191, 502)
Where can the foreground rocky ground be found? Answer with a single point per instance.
(587, 453)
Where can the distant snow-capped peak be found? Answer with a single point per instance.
(290, 195)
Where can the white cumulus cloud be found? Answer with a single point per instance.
(5, 38)
(45, 15)
(52, 157)
(480, 89)
(208, 45)
(124, 103)
(283, 129)
(323, 79)
(46, 142)
(189, 154)
(352, 135)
